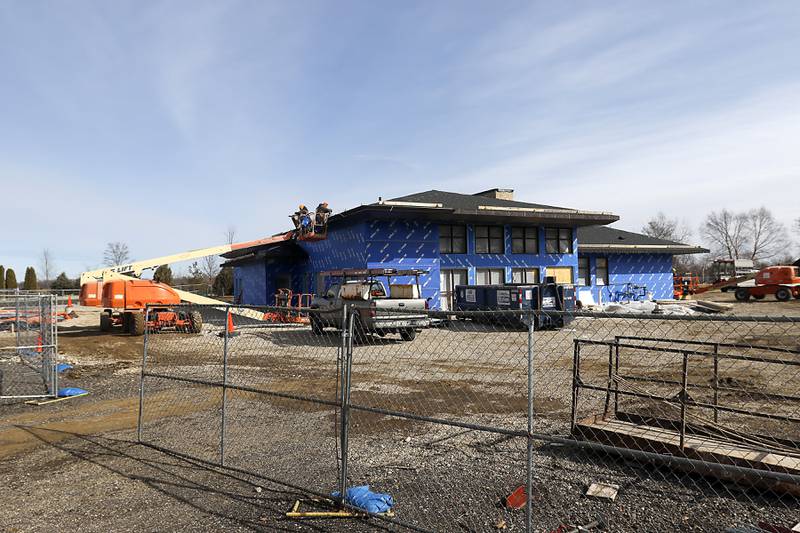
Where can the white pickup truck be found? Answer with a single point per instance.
(377, 310)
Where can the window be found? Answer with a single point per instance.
(489, 240)
(525, 276)
(524, 240)
(558, 240)
(583, 272)
(452, 239)
(332, 292)
(601, 270)
(489, 276)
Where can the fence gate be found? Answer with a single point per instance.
(28, 346)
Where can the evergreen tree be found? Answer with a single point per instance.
(2, 277)
(30, 283)
(223, 282)
(63, 282)
(11, 279)
(163, 274)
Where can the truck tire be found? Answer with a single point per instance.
(408, 334)
(359, 332)
(136, 324)
(742, 294)
(195, 322)
(105, 322)
(783, 294)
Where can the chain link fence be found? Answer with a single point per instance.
(638, 422)
(28, 346)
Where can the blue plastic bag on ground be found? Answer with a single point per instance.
(363, 498)
(63, 367)
(71, 391)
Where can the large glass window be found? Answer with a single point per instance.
(558, 240)
(584, 277)
(489, 240)
(524, 240)
(452, 239)
(525, 276)
(489, 276)
(601, 270)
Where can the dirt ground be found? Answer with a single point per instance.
(76, 464)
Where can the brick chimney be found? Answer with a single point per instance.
(500, 194)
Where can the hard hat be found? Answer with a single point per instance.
(301, 206)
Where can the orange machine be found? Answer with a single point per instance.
(125, 302)
(294, 304)
(782, 281)
(685, 285)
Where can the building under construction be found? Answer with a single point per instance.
(482, 238)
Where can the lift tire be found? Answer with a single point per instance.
(137, 324)
(316, 326)
(196, 322)
(783, 294)
(408, 334)
(127, 323)
(742, 294)
(105, 322)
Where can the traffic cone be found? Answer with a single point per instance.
(39, 344)
(69, 300)
(230, 328)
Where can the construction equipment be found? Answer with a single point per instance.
(296, 307)
(125, 297)
(782, 281)
(684, 285)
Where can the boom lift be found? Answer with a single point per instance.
(125, 297)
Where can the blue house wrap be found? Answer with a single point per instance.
(410, 232)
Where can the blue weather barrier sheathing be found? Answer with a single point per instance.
(363, 498)
(71, 391)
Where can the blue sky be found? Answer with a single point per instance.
(161, 124)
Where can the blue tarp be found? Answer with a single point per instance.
(63, 367)
(363, 498)
(71, 391)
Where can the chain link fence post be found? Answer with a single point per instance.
(529, 438)
(225, 341)
(141, 375)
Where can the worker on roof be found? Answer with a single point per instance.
(298, 216)
(321, 217)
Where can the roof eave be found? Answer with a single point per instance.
(642, 249)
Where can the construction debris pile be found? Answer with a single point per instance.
(663, 307)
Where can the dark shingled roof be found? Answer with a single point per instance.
(475, 208)
(465, 201)
(603, 238)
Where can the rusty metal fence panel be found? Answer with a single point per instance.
(28, 346)
(685, 422)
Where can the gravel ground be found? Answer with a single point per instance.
(76, 464)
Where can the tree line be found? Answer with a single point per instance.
(753, 234)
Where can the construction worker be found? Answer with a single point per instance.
(298, 216)
(321, 217)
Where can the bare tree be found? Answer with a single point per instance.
(670, 229)
(209, 267)
(46, 264)
(767, 237)
(230, 234)
(726, 233)
(116, 254)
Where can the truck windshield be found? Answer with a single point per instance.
(333, 291)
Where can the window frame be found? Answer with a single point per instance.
(489, 270)
(525, 238)
(588, 276)
(451, 237)
(501, 239)
(525, 271)
(601, 280)
(563, 243)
